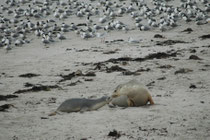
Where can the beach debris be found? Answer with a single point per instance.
(115, 68)
(205, 36)
(71, 75)
(151, 84)
(206, 46)
(110, 51)
(76, 74)
(29, 75)
(194, 57)
(114, 41)
(130, 73)
(90, 74)
(88, 79)
(114, 133)
(137, 72)
(166, 67)
(161, 78)
(51, 100)
(44, 118)
(82, 50)
(74, 83)
(5, 97)
(159, 131)
(169, 42)
(158, 36)
(158, 55)
(188, 30)
(37, 88)
(183, 70)
(193, 51)
(28, 84)
(193, 86)
(84, 139)
(5, 107)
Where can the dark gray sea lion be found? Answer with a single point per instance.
(81, 105)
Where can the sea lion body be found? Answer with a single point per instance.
(122, 101)
(82, 104)
(136, 94)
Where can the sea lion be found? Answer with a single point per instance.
(81, 105)
(136, 94)
(122, 101)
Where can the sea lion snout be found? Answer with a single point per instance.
(108, 99)
(114, 96)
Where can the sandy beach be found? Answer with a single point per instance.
(36, 77)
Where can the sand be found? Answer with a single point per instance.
(181, 109)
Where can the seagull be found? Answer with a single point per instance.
(118, 26)
(80, 14)
(162, 27)
(56, 15)
(7, 47)
(49, 38)
(62, 16)
(102, 36)
(64, 29)
(97, 27)
(64, 25)
(103, 19)
(89, 21)
(138, 19)
(18, 42)
(108, 27)
(73, 26)
(45, 41)
(134, 41)
(86, 35)
(61, 37)
(144, 28)
(125, 28)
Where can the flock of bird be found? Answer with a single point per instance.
(51, 20)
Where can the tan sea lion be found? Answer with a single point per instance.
(136, 94)
(122, 101)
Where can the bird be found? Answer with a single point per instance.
(45, 41)
(61, 37)
(103, 19)
(102, 36)
(86, 35)
(18, 42)
(8, 48)
(131, 40)
(96, 27)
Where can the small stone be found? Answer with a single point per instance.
(44, 118)
(158, 36)
(194, 57)
(193, 86)
(158, 95)
(114, 133)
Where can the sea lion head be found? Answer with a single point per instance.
(116, 91)
(107, 99)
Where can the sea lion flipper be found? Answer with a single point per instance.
(83, 109)
(52, 114)
(130, 102)
(151, 100)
